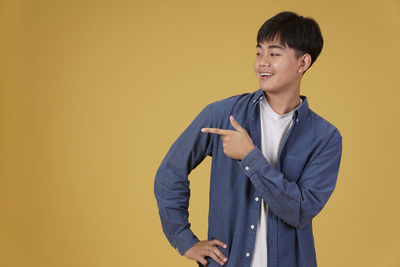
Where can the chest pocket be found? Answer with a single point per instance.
(293, 167)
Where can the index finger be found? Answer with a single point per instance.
(214, 130)
(218, 242)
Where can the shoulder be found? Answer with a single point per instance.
(324, 128)
(237, 101)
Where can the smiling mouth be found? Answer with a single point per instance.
(265, 75)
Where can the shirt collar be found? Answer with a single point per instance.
(299, 112)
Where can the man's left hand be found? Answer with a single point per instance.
(237, 144)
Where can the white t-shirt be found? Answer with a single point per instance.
(274, 127)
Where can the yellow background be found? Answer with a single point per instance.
(93, 94)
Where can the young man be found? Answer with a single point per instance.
(274, 161)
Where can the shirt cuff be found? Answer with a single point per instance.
(184, 241)
(253, 161)
(257, 167)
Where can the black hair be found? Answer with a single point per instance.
(300, 33)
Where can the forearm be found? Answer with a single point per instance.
(295, 202)
(172, 197)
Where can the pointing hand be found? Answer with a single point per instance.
(237, 144)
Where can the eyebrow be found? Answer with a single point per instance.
(271, 46)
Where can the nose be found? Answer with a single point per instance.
(263, 61)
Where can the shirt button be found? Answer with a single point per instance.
(252, 226)
(256, 198)
(297, 120)
(247, 254)
(246, 168)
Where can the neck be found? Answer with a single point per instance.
(284, 102)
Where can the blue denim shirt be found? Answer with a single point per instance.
(295, 190)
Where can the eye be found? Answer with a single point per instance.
(272, 54)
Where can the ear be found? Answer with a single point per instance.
(304, 63)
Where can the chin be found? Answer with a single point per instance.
(269, 89)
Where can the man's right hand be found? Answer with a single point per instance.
(206, 248)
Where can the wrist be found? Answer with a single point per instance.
(248, 151)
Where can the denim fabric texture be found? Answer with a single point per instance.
(295, 190)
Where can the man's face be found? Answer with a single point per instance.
(279, 60)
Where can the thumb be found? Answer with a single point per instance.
(235, 124)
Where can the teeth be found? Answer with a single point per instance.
(266, 74)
